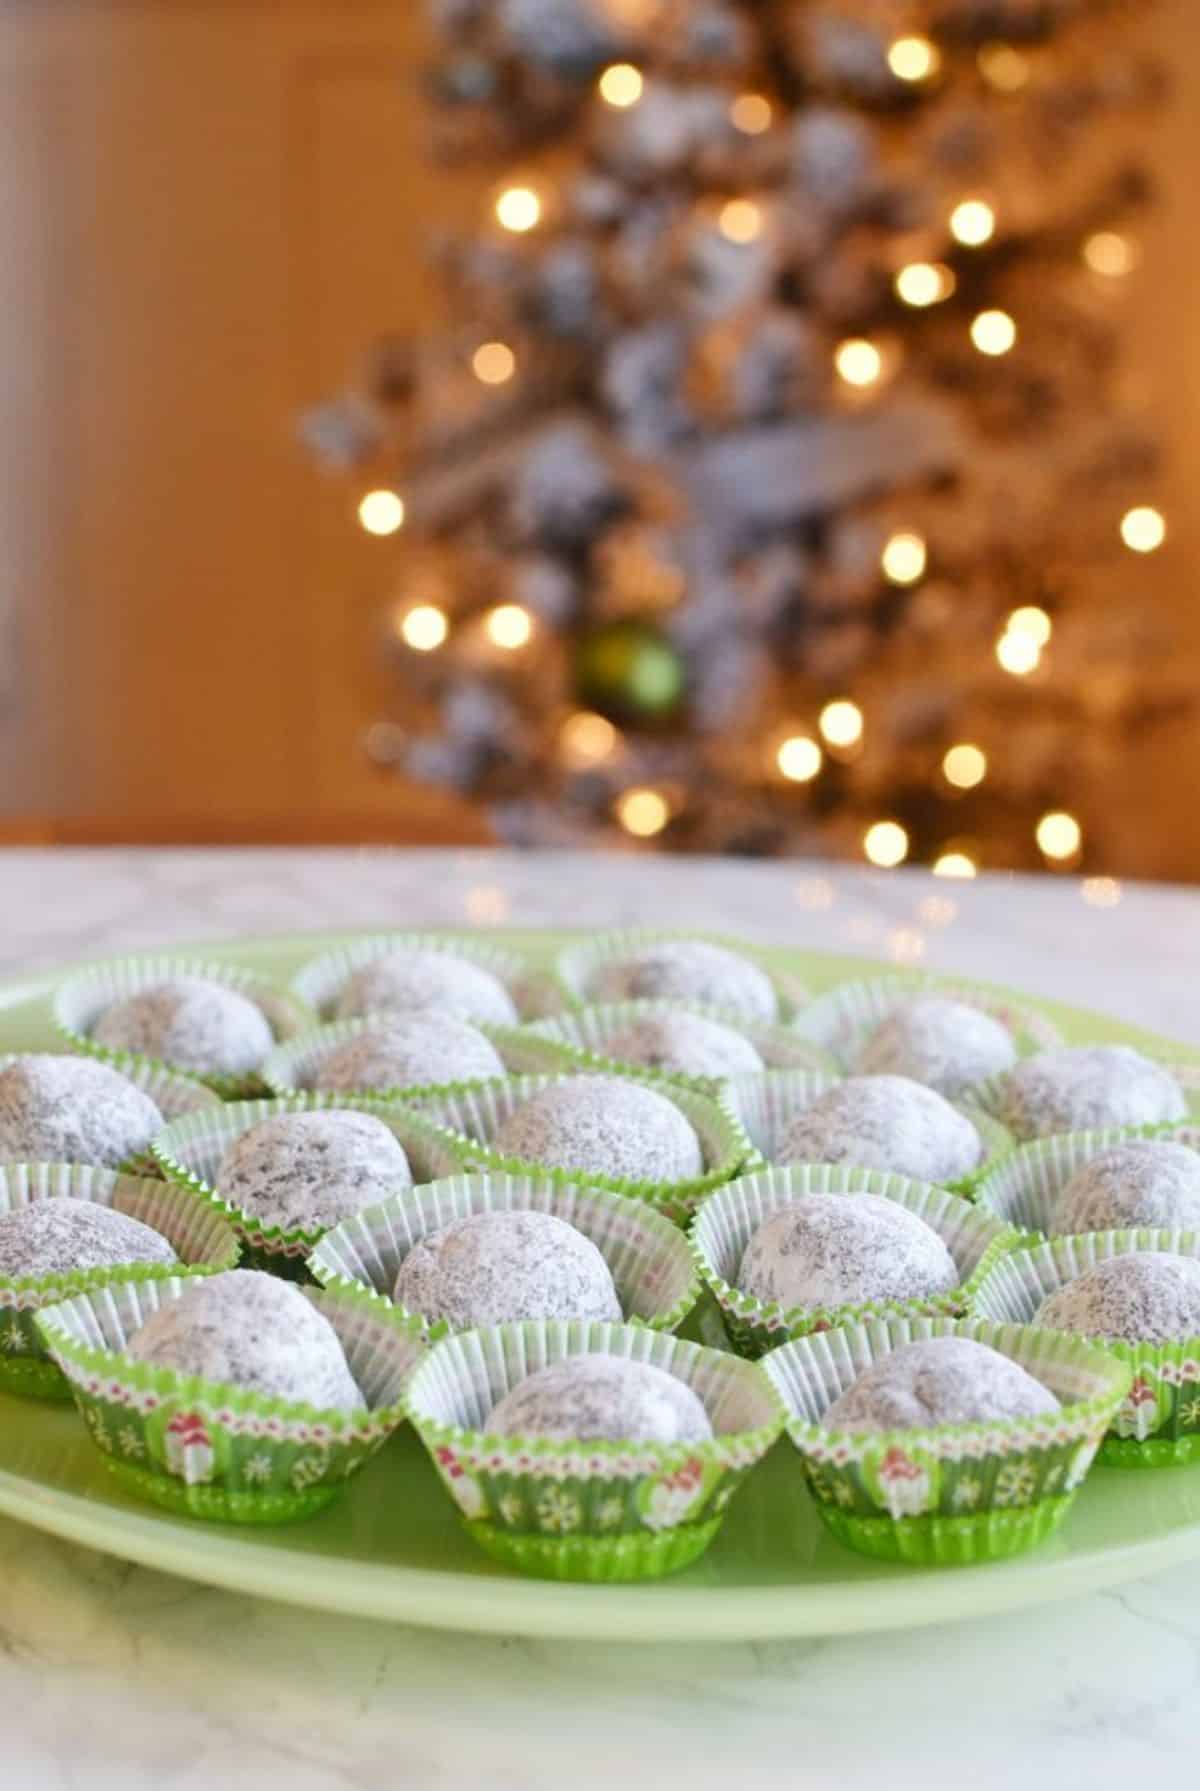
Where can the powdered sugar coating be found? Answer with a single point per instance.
(598, 1398)
(250, 1330)
(313, 1169)
(490, 1268)
(1143, 1182)
(843, 1249)
(1081, 1088)
(57, 1237)
(687, 1044)
(190, 1022)
(1147, 1296)
(413, 981)
(687, 970)
(413, 1051)
(943, 1043)
(884, 1122)
(603, 1126)
(941, 1380)
(61, 1109)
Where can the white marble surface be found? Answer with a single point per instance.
(112, 1675)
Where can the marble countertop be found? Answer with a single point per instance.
(112, 1675)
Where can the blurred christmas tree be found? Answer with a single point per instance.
(773, 488)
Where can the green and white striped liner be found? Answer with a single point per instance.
(215, 1451)
(653, 1269)
(292, 1068)
(577, 966)
(579, 1040)
(192, 1150)
(1157, 1424)
(728, 1220)
(842, 1020)
(193, 1226)
(587, 1510)
(470, 1119)
(173, 1095)
(320, 982)
(949, 1494)
(1023, 1187)
(990, 1096)
(79, 1003)
(767, 1103)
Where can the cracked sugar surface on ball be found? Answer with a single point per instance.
(688, 970)
(600, 1398)
(413, 1051)
(1148, 1296)
(313, 1169)
(490, 1268)
(943, 1043)
(250, 1330)
(884, 1122)
(686, 1044)
(60, 1236)
(420, 981)
(62, 1109)
(191, 1023)
(1143, 1182)
(844, 1249)
(941, 1380)
(1081, 1088)
(602, 1126)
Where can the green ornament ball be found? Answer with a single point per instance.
(630, 672)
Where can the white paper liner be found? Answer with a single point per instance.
(1024, 1186)
(292, 1068)
(841, 1020)
(577, 965)
(990, 1095)
(320, 982)
(581, 1037)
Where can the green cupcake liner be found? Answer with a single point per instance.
(587, 1510)
(79, 1002)
(319, 983)
(191, 1152)
(578, 1040)
(291, 1069)
(729, 1219)
(767, 1103)
(172, 1093)
(842, 1020)
(947, 1494)
(1157, 1424)
(216, 1451)
(191, 1224)
(990, 1096)
(652, 1267)
(469, 1119)
(1024, 1186)
(576, 967)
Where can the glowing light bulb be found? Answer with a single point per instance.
(751, 113)
(643, 812)
(993, 332)
(1059, 835)
(924, 283)
(953, 864)
(509, 625)
(494, 363)
(886, 844)
(799, 758)
(621, 85)
(1144, 529)
(903, 558)
(1018, 654)
(741, 220)
(972, 223)
(965, 766)
(519, 210)
(423, 627)
(858, 361)
(1030, 620)
(841, 722)
(1002, 67)
(913, 58)
(587, 739)
(1100, 892)
(1107, 253)
(381, 512)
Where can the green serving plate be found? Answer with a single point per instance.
(392, 1548)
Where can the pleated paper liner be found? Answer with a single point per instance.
(577, 967)
(951, 1494)
(729, 1218)
(191, 1152)
(173, 1095)
(215, 1451)
(766, 1103)
(587, 1510)
(1157, 1424)
(653, 1269)
(1023, 1188)
(842, 1020)
(194, 1227)
(990, 1096)
(470, 1119)
(293, 1068)
(79, 1003)
(579, 1039)
(320, 982)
